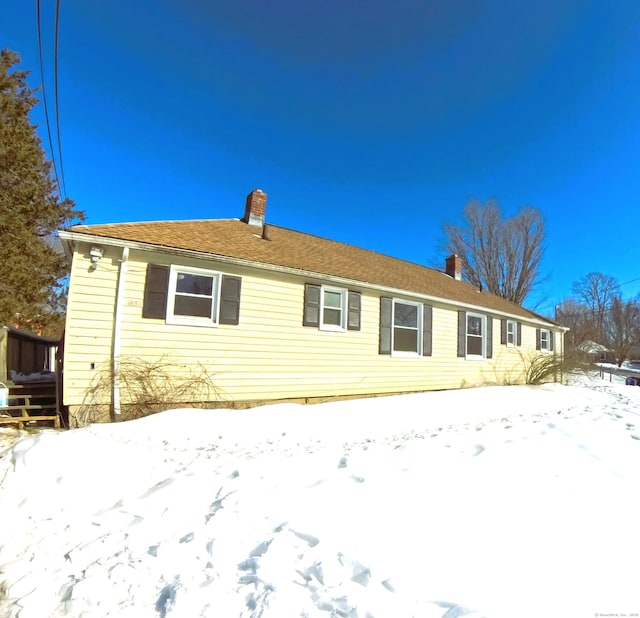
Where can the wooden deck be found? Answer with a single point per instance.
(31, 404)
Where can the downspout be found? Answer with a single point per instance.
(562, 334)
(116, 411)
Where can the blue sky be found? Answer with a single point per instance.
(369, 123)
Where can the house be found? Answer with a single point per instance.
(275, 314)
(596, 352)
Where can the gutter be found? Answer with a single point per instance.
(67, 236)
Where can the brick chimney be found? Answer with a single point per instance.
(454, 267)
(255, 207)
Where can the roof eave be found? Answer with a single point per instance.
(66, 240)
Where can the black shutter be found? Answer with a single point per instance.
(427, 328)
(311, 314)
(503, 331)
(552, 336)
(489, 348)
(462, 333)
(519, 339)
(386, 306)
(537, 338)
(353, 314)
(230, 300)
(155, 292)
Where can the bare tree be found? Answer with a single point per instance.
(597, 292)
(622, 328)
(500, 255)
(580, 320)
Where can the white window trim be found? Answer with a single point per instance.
(186, 319)
(399, 353)
(514, 325)
(483, 355)
(344, 294)
(546, 349)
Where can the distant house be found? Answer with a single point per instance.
(596, 352)
(275, 314)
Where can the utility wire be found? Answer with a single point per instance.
(631, 281)
(55, 87)
(44, 96)
(551, 305)
(592, 312)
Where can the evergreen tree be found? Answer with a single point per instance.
(32, 269)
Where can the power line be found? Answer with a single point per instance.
(55, 87)
(551, 305)
(44, 96)
(631, 281)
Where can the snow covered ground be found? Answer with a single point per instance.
(509, 502)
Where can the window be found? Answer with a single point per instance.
(511, 333)
(332, 312)
(193, 296)
(405, 328)
(196, 296)
(544, 340)
(475, 335)
(331, 308)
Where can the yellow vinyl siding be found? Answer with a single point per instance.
(89, 322)
(269, 354)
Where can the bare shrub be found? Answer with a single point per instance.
(146, 387)
(540, 368)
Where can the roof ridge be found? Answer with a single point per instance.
(91, 225)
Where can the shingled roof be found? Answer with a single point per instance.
(281, 247)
